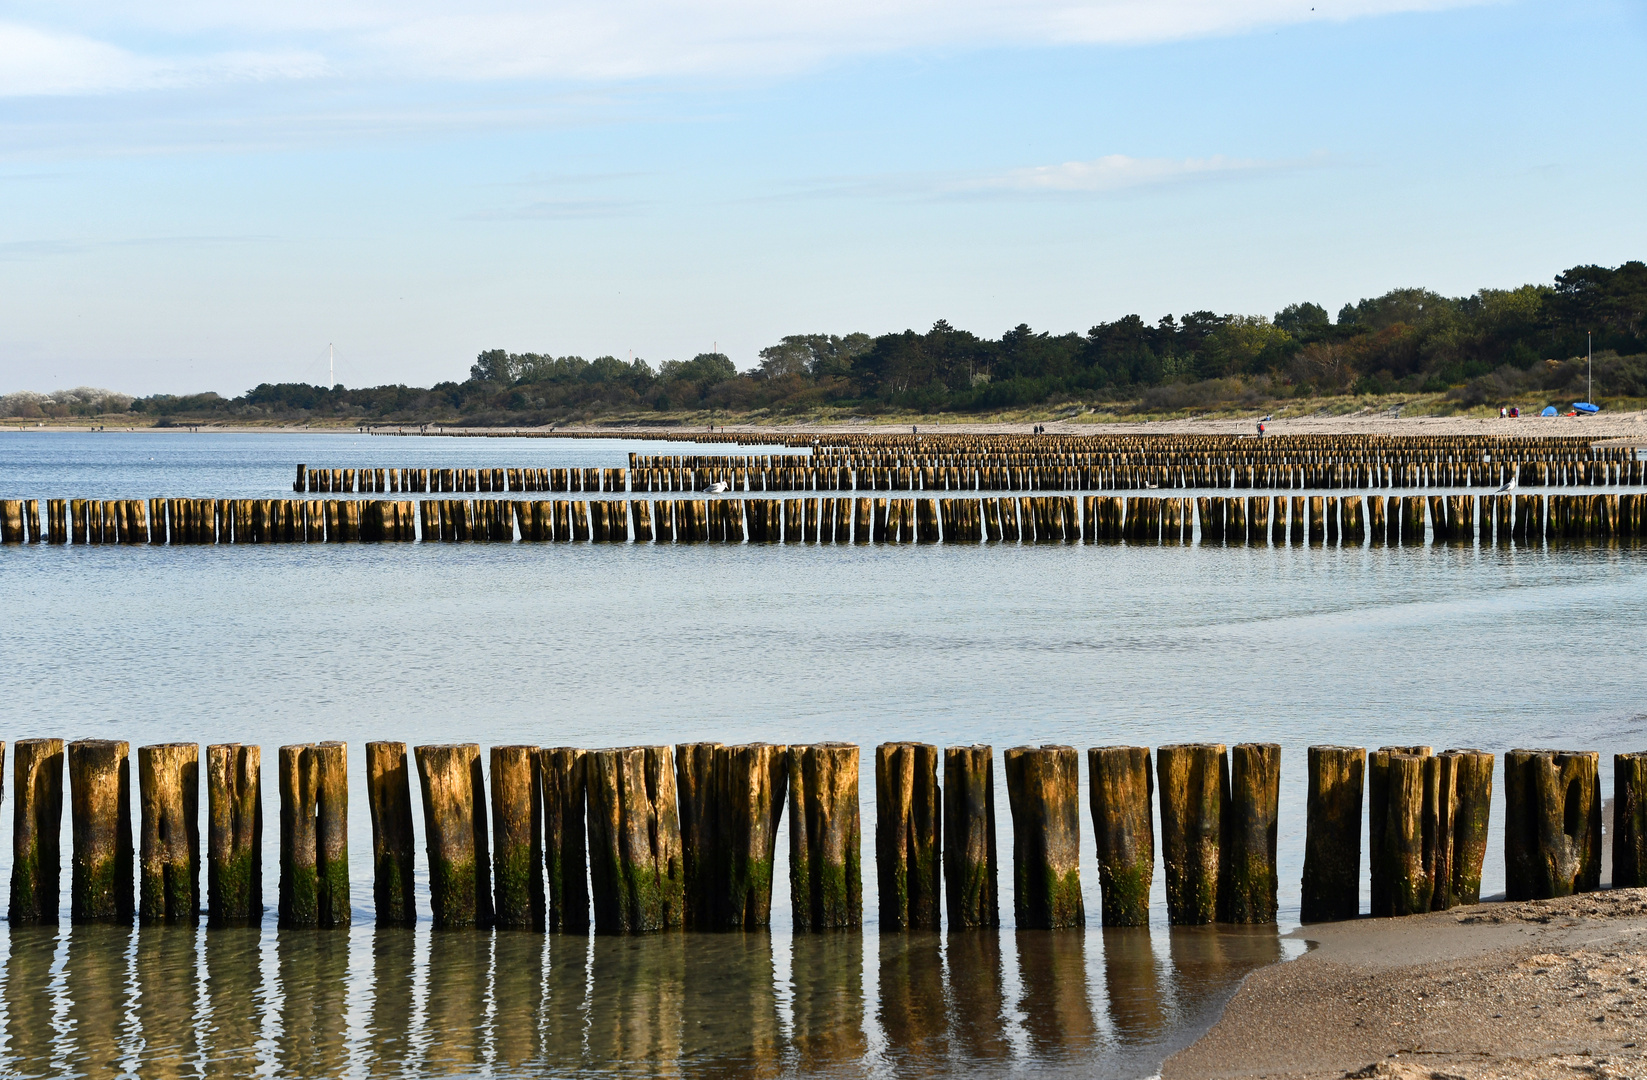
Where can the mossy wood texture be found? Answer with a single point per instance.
(37, 822)
(700, 832)
(454, 828)
(234, 836)
(100, 812)
(314, 835)
(1043, 785)
(1404, 822)
(169, 786)
(752, 781)
(565, 862)
(908, 832)
(1331, 889)
(1467, 783)
(636, 871)
(1552, 823)
(517, 845)
(1248, 891)
(1629, 821)
(1121, 789)
(825, 837)
(389, 795)
(971, 889)
(1193, 780)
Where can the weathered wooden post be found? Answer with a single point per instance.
(1193, 779)
(1629, 821)
(1247, 893)
(701, 854)
(753, 780)
(314, 837)
(517, 830)
(1043, 785)
(1121, 788)
(970, 890)
(169, 782)
(100, 804)
(389, 794)
(1552, 823)
(908, 827)
(825, 837)
(1469, 781)
(561, 770)
(234, 840)
(1404, 817)
(37, 822)
(635, 865)
(454, 829)
(1331, 889)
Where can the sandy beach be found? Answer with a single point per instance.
(1544, 989)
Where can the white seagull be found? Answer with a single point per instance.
(718, 487)
(1509, 485)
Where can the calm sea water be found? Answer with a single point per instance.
(599, 645)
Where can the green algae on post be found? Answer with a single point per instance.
(1120, 790)
(1042, 790)
(100, 804)
(1193, 779)
(561, 770)
(825, 836)
(234, 842)
(37, 822)
(169, 783)
(454, 825)
(1331, 887)
(636, 872)
(1248, 893)
(908, 827)
(389, 794)
(517, 819)
(970, 879)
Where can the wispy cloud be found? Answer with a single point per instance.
(1116, 172)
(97, 46)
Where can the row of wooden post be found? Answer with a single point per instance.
(1257, 520)
(379, 481)
(685, 837)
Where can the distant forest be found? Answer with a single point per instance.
(1493, 346)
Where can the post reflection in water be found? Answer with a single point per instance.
(166, 1005)
(389, 1030)
(567, 1007)
(977, 997)
(95, 981)
(730, 1023)
(1207, 962)
(235, 1000)
(1132, 984)
(31, 1038)
(459, 961)
(517, 994)
(313, 967)
(1056, 1008)
(637, 985)
(828, 1001)
(912, 999)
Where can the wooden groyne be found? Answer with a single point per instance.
(1138, 520)
(684, 837)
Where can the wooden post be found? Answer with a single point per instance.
(908, 824)
(634, 841)
(234, 843)
(1121, 789)
(825, 837)
(37, 822)
(1195, 791)
(517, 829)
(1042, 791)
(701, 854)
(970, 890)
(753, 780)
(1331, 889)
(1552, 823)
(454, 829)
(561, 769)
(1248, 859)
(314, 844)
(389, 794)
(1404, 815)
(1629, 821)
(169, 782)
(100, 803)
(1471, 787)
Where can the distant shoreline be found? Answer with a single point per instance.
(1623, 425)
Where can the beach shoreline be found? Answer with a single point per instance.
(1517, 991)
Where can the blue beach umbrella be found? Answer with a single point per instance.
(1549, 410)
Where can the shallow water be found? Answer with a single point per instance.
(601, 645)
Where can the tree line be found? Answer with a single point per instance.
(1494, 344)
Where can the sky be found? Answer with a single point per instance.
(205, 196)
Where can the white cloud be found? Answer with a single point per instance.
(1116, 171)
(82, 47)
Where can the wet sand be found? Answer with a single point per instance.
(1545, 989)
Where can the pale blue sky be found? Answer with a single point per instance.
(203, 196)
